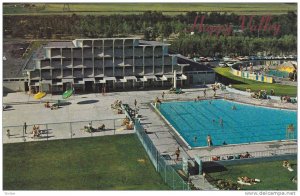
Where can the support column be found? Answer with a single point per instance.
(153, 60)
(175, 79)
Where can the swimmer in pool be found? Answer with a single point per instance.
(221, 122)
(195, 139)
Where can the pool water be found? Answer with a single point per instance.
(277, 73)
(194, 120)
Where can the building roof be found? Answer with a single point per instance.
(194, 66)
(39, 53)
(65, 44)
(112, 38)
(153, 43)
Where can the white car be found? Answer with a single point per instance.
(229, 64)
(222, 64)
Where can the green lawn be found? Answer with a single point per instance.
(273, 175)
(99, 163)
(166, 8)
(243, 84)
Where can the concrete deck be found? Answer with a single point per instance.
(24, 108)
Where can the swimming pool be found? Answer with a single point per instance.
(194, 120)
(277, 73)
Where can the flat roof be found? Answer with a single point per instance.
(64, 44)
(39, 54)
(194, 66)
(87, 39)
(153, 43)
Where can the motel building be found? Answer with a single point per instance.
(90, 65)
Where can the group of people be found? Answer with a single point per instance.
(175, 90)
(248, 181)
(90, 129)
(116, 105)
(261, 94)
(287, 165)
(128, 123)
(240, 156)
(53, 107)
(36, 132)
(287, 99)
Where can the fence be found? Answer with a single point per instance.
(247, 75)
(64, 130)
(162, 166)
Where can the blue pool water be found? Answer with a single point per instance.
(277, 73)
(246, 124)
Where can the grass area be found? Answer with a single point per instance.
(34, 45)
(166, 8)
(273, 175)
(243, 84)
(99, 163)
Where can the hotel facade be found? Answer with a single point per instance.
(89, 65)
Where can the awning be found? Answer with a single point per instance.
(142, 79)
(124, 65)
(169, 76)
(89, 79)
(99, 75)
(163, 78)
(57, 83)
(183, 65)
(67, 80)
(182, 77)
(158, 78)
(46, 82)
(110, 78)
(121, 80)
(130, 78)
(102, 81)
(150, 77)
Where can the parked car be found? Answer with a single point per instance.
(252, 57)
(223, 64)
(230, 63)
(202, 59)
(216, 58)
(209, 59)
(226, 58)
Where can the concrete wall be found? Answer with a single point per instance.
(201, 77)
(257, 160)
(13, 86)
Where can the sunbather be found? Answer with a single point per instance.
(125, 121)
(287, 165)
(247, 155)
(246, 179)
(129, 126)
(102, 127)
